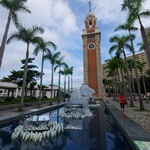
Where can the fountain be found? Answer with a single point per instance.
(96, 132)
(39, 127)
(79, 107)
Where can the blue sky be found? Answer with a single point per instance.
(63, 21)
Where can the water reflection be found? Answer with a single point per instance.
(76, 139)
(88, 138)
(114, 138)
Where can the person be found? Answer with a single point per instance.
(122, 101)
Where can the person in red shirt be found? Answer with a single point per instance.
(122, 101)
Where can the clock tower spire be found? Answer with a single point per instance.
(92, 54)
(89, 6)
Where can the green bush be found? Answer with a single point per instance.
(8, 99)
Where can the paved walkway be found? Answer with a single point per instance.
(140, 117)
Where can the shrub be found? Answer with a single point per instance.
(8, 99)
(44, 96)
(33, 98)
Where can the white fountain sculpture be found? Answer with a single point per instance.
(80, 101)
(78, 108)
(82, 96)
(36, 134)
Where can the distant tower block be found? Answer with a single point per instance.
(92, 55)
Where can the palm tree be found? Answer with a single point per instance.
(65, 73)
(111, 74)
(121, 66)
(70, 72)
(107, 83)
(59, 64)
(141, 47)
(148, 37)
(131, 67)
(115, 65)
(53, 59)
(140, 66)
(44, 47)
(120, 43)
(112, 69)
(14, 7)
(31, 87)
(135, 12)
(128, 27)
(29, 36)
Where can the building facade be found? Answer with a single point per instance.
(92, 55)
(140, 57)
(12, 90)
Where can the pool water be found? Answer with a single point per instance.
(89, 138)
(114, 138)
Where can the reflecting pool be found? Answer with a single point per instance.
(114, 138)
(86, 137)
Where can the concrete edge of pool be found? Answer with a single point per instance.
(18, 115)
(131, 130)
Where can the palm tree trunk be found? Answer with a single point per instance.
(120, 89)
(24, 79)
(26, 89)
(145, 91)
(64, 87)
(41, 80)
(2, 48)
(51, 86)
(59, 87)
(30, 93)
(113, 90)
(71, 84)
(145, 41)
(124, 91)
(129, 80)
(115, 87)
(133, 86)
(137, 76)
(68, 86)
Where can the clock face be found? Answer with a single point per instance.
(91, 45)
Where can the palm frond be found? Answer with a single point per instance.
(145, 14)
(141, 46)
(113, 48)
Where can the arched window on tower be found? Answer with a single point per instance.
(90, 24)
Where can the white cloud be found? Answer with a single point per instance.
(108, 11)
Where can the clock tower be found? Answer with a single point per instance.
(92, 55)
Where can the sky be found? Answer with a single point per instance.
(63, 21)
